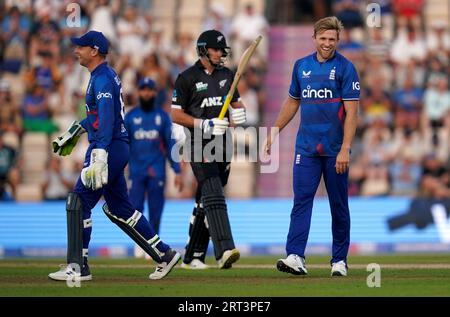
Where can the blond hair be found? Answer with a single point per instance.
(328, 23)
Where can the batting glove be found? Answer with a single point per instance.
(96, 174)
(238, 115)
(214, 126)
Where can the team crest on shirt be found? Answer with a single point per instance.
(306, 74)
(158, 120)
(201, 86)
(333, 74)
(137, 120)
(222, 83)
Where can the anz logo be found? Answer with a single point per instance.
(211, 102)
(104, 95)
(142, 134)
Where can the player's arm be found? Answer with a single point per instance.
(350, 124)
(288, 110)
(237, 109)
(179, 116)
(350, 98)
(96, 174)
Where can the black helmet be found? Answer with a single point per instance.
(212, 39)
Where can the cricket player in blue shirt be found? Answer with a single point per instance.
(149, 129)
(103, 172)
(326, 85)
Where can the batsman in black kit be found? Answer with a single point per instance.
(196, 104)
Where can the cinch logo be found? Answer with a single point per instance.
(314, 93)
(142, 134)
(211, 102)
(104, 95)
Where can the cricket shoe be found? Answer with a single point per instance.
(195, 264)
(169, 260)
(293, 264)
(68, 273)
(228, 258)
(339, 269)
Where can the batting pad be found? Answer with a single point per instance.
(74, 229)
(217, 216)
(197, 244)
(128, 227)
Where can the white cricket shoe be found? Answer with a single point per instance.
(169, 260)
(68, 273)
(339, 269)
(195, 264)
(228, 258)
(293, 264)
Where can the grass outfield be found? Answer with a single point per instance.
(412, 275)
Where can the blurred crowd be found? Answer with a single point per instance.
(403, 144)
(403, 139)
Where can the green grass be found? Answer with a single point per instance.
(414, 275)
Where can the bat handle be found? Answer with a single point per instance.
(225, 107)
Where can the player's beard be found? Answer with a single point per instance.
(147, 104)
(326, 54)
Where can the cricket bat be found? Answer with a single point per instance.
(240, 70)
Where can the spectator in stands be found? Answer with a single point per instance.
(216, 19)
(348, 11)
(377, 45)
(408, 104)
(375, 160)
(408, 11)
(58, 182)
(377, 105)
(245, 27)
(10, 119)
(102, 20)
(45, 34)
(131, 28)
(438, 37)
(434, 70)
(435, 182)
(405, 156)
(45, 74)
(152, 68)
(408, 45)
(15, 27)
(35, 112)
(437, 105)
(9, 173)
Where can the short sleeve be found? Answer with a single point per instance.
(180, 93)
(295, 89)
(350, 83)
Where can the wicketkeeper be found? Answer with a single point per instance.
(104, 163)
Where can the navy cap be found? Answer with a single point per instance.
(93, 39)
(147, 82)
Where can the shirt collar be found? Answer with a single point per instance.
(99, 67)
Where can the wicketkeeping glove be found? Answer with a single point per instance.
(64, 144)
(214, 126)
(238, 115)
(96, 174)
